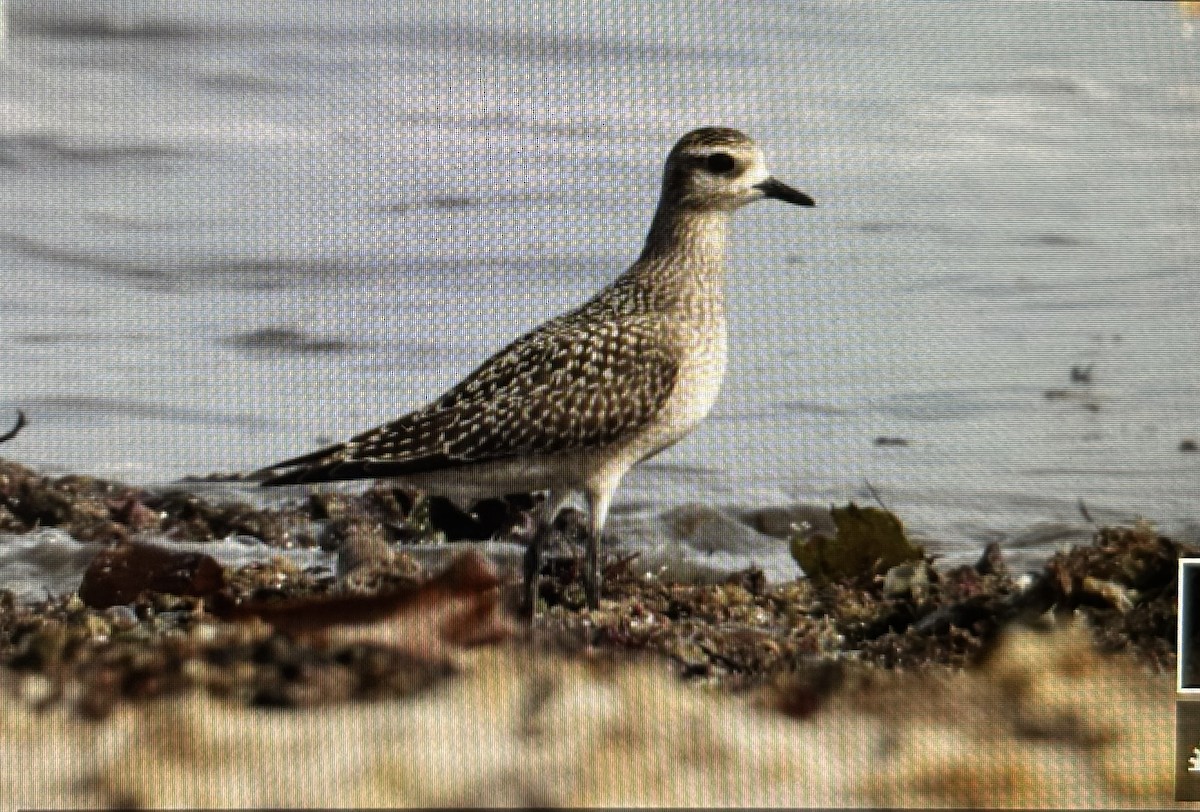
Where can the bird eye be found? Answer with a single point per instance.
(719, 163)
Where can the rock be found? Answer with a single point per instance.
(117, 575)
(992, 561)
(359, 543)
(868, 540)
(1119, 597)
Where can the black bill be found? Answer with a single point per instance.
(781, 191)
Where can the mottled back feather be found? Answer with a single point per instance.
(573, 383)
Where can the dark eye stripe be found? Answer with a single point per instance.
(720, 163)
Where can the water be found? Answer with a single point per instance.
(233, 230)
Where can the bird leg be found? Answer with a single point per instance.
(533, 566)
(592, 577)
(597, 505)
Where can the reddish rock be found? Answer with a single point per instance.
(119, 574)
(129, 510)
(459, 607)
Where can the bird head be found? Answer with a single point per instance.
(718, 168)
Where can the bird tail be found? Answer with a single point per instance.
(312, 467)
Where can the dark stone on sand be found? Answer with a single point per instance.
(992, 561)
(488, 518)
(118, 575)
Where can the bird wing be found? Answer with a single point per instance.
(569, 384)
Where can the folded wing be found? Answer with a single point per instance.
(568, 385)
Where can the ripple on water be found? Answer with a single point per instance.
(285, 339)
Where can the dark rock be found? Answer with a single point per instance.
(457, 524)
(992, 561)
(117, 575)
(77, 504)
(186, 515)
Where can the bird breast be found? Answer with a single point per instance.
(702, 370)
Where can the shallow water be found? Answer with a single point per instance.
(231, 231)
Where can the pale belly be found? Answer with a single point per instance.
(700, 379)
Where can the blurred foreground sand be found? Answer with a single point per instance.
(1043, 721)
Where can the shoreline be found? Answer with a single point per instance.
(883, 613)
(152, 629)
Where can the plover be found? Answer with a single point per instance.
(571, 406)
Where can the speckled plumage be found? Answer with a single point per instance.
(572, 405)
(573, 383)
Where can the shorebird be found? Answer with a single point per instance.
(571, 406)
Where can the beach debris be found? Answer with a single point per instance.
(871, 489)
(305, 638)
(891, 442)
(991, 561)
(907, 580)
(1120, 597)
(1081, 391)
(1188, 446)
(1085, 513)
(1127, 583)
(868, 541)
(92, 509)
(119, 574)
(187, 515)
(79, 505)
(461, 606)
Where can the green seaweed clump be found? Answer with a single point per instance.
(869, 541)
